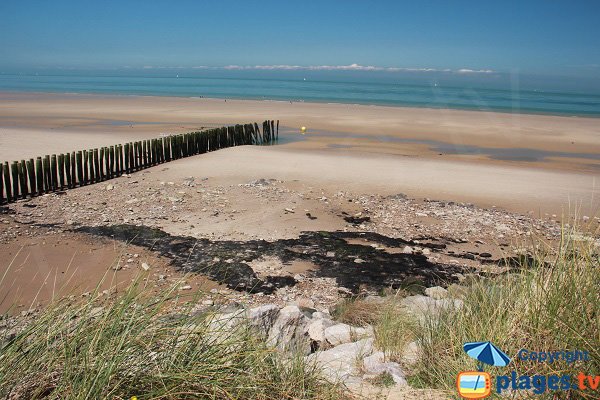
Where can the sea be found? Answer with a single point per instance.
(502, 92)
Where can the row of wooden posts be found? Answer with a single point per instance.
(58, 172)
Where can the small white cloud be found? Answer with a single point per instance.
(474, 71)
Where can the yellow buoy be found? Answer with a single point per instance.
(303, 130)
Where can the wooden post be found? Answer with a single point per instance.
(54, 167)
(79, 159)
(39, 175)
(23, 179)
(61, 170)
(14, 169)
(91, 165)
(111, 169)
(31, 175)
(85, 167)
(126, 149)
(7, 185)
(47, 176)
(96, 166)
(67, 158)
(106, 163)
(73, 169)
(1, 183)
(101, 164)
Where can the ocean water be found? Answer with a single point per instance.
(504, 93)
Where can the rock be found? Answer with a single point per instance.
(330, 254)
(407, 250)
(375, 365)
(110, 187)
(422, 306)
(263, 317)
(341, 362)
(343, 333)
(457, 291)
(411, 353)
(185, 287)
(359, 260)
(436, 292)
(316, 328)
(289, 331)
(145, 267)
(96, 312)
(208, 302)
(304, 302)
(485, 255)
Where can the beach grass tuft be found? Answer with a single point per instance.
(549, 305)
(135, 344)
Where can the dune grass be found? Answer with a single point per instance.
(543, 306)
(134, 345)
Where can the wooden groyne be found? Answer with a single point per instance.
(58, 172)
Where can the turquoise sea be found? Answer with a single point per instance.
(495, 93)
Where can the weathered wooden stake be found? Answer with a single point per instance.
(31, 175)
(68, 170)
(7, 182)
(61, 170)
(14, 169)
(79, 159)
(1, 183)
(39, 175)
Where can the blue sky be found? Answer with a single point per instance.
(537, 36)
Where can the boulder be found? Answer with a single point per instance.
(316, 328)
(263, 317)
(288, 332)
(375, 365)
(343, 333)
(341, 363)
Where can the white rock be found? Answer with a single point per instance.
(316, 329)
(375, 365)
(341, 362)
(411, 353)
(186, 287)
(359, 260)
(436, 292)
(263, 317)
(110, 187)
(344, 333)
(289, 331)
(407, 250)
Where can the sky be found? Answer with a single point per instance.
(536, 36)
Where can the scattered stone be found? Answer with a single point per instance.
(145, 266)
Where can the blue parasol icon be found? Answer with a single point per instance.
(486, 352)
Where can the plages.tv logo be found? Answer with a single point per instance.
(478, 384)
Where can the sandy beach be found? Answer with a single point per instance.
(538, 163)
